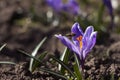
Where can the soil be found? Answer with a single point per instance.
(25, 37)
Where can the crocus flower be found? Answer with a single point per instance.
(70, 6)
(108, 4)
(81, 43)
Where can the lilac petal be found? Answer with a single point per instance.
(77, 31)
(75, 7)
(86, 36)
(71, 6)
(88, 31)
(68, 43)
(55, 4)
(91, 42)
(84, 54)
(84, 43)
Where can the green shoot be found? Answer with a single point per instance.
(64, 58)
(37, 63)
(43, 69)
(64, 65)
(53, 72)
(7, 62)
(2, 46)
(35, 52)
(77, 69)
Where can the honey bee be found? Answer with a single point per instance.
(70, 35)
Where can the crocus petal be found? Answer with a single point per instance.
(86, 36)
(77, 31)
(91, 42)
(68, 43)
(88, 31)
(55, 4)
(72, 6)
(76, 9)
(84, 42)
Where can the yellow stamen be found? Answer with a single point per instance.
(80, 44)
(80, 41)
(79, 38)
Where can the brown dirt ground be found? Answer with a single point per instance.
(98, 64)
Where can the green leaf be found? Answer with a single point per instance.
(35, 52)
(53, 72)
(2, 47)
(7, 62)
(36, 63)
(77, 68)
(44, 69)
(64, 58)
(30, 56)
(64, 65)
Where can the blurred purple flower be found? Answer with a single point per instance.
(81, 43)
(108, 4)
(70, 6)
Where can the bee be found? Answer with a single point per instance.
(70, 35)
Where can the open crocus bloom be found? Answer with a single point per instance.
(81, 43)
(70, 6)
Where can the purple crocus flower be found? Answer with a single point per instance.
(55, 4)
(81, 43)
(70, 6)
(108, 4)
